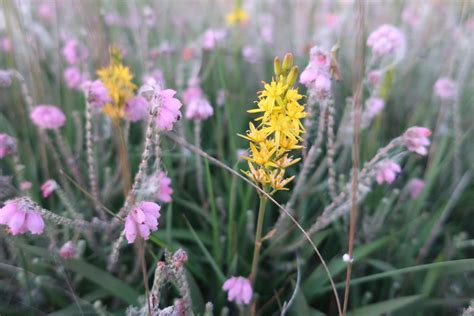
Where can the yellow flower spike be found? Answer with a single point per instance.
(237, 16)
(279, 128)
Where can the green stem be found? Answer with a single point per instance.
(258, 238)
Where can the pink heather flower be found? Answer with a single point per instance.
(73, 77)
(239, 290)
(47, 117)
(96, 93)
(136, 109)
(387, 172)
(373, 106)
(142, 220)
(68, 250)
(48, 188)
(212, 37)
(415, 187)
(20, 221)
(157, 75)
(316, 75)
(319, 58)
(199, 109)
(6, 44)
(445, 88)
(46, 10)
(374, 77)
(74, 53)
(169, 110)
(179, 258)
(25, 185)
(385, 40)
(7, 145)
(250, 54)
(193, 91)
(165, 190)
(416, 139)
(5, 79)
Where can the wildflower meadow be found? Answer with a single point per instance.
(236, 157)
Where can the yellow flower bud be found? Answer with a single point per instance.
(277, 66)
(287, 63)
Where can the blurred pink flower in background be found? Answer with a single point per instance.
(165, 190)
(6, 44)
(385, 40)
(375, 77)
(239, 290)
(136, 109)
(46, 10)
(20, 221)
(96, 93)
(48, 188)
(5, 79)
(25, 185)
(7, 145)
(212, 37)
(197, 105)
(142, 220)
(250, 54)
(73, 77)
(316, 75)
(74, 52)
(445, 88)
(156, 75)
(68, 250)
(48, 117)
(416, 139)
(415, 187)
(387, 171)
(373, 106)
(411, 16)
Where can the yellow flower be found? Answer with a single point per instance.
(237, 16)
(279, 130)
(118, 80)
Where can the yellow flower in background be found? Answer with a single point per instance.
(118, 80)
(237, 16)
(279, 128)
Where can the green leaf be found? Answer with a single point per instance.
(384, 307)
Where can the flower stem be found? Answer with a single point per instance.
(258, 238)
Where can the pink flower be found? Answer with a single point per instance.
(165, 190)
(7, 145)
(250, 54)
(374, 77)
(46, 10)
(212, 37)
(385, 40)
(193, 92)
(316, 75)
(445, 88)
(25, 185)
(136, 109)
(5, 79)
(142, 220)
(415, 187)
(319, 58)
(6, 44)
(68, 250)
(73, 77)
(96, 93)
(48, 188)
(74, 53)
(373, 106)
(199, 109)
(239, 290)
(48, 117)
(157, 75)
(416, 139)
(387, 172)
(20, 221)
(169, 110)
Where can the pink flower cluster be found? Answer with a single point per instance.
(7, 145)
(164, 192)
(239, 290)
(68, 250)
(212, 37)
(373, 106)
(197, 105)
(74, 52)
(445, 88)
(142, 220)
(385, 40)
(387, 171)
(96, 93)
(415, 187)
(74, 78)
(48, 117)
(416, 139)
(48, 188)
(19, 221)
(316, 76)
(136, 108)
